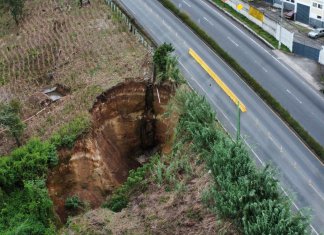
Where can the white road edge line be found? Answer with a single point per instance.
(294, 96)
(208, 21)
(186, 3)
(248, 87)
(257, 97)
(233, 41)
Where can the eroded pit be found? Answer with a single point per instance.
(127, 120)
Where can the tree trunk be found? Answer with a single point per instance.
(17, 140)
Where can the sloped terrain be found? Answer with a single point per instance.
(83, 49)
(101, 160)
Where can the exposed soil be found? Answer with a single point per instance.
(122, 125)
(157, 211)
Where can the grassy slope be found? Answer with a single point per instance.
(167, 194)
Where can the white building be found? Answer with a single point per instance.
(309, 12)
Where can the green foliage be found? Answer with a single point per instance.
(16, 8)
(264, 94)
(171, 72)
(241, 192)
(25, 207)
(172, 170)
(28, 162)
(27, 210)
(73, 203)
(160, 56)
(70, 132)
(10, 120)
(136, 181)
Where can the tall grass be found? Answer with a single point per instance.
(247, 195)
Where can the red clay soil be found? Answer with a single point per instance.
(101, 161)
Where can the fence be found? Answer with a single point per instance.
(132, 26)
(306, 51)
(267, 24)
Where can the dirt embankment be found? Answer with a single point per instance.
(127, 119)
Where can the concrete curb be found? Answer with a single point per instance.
(244, 25)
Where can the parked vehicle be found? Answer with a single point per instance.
(289, 15)
(316, 33)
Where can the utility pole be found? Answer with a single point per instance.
(238, 122)
(281, 15)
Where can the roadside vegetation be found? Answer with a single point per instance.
(316, 147)
(166, 66)
(242, 193)
(238, 192)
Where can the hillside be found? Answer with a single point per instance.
(121, 151)
(83, 49)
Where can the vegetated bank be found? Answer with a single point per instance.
(205, 172)
(82, 162)
(264, 94)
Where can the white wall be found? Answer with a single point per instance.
(268, 25)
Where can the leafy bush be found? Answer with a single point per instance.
(70, 132)
(241, 192)
(25, 206)
(73, 203)
(136, 181)
(28, 162)
(264, 94)
(160, 56)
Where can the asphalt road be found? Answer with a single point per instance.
(267, 137)
(303, 103)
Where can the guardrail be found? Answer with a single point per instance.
(132, 25)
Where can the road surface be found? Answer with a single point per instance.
(267, 137)
(304, 103)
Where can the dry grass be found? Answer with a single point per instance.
(85, 49)
(157, 211)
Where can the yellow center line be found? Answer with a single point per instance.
(219, 82)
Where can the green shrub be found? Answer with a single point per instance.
(73, 203)
(136, 181)
(28, 162)
(117, 202)
(264, 94)
(70, 132)
(247, 195)
(27, 210)
(25, 206)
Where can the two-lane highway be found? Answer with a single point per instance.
(303, 103)
(267, 137)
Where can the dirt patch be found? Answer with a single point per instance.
(102, 160)
(157, 211)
